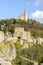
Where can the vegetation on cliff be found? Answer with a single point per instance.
(33, 26)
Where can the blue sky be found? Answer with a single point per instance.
(13, 8)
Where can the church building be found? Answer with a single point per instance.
(23, 16)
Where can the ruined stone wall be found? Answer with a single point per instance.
(1, 36)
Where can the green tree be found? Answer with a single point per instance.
(11, 29)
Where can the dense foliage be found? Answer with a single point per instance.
(34, 53)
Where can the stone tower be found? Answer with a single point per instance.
(25, 15)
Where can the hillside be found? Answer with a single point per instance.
(33, 26)
(26, 53)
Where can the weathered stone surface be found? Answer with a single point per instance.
(3, 62)
(35, 63)
(1, 36)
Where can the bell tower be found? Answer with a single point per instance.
(25, 15)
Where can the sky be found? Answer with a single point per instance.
(13, 8)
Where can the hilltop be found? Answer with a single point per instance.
(35, 27)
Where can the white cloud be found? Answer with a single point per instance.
(38, 2)
(38, 15)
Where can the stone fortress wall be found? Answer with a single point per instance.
(20, 34)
